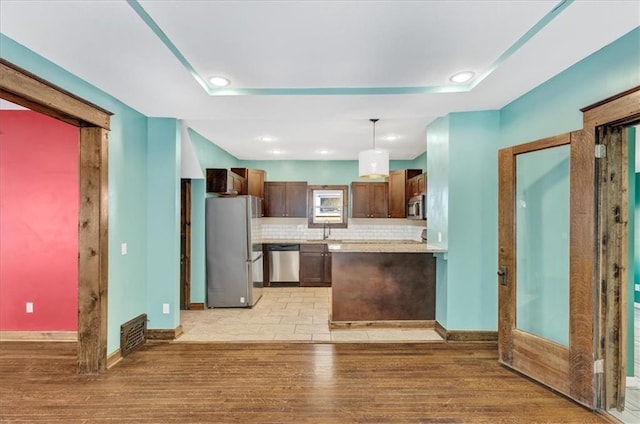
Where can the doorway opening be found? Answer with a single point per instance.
(25, 89)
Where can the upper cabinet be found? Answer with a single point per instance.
(285, 199)
(254, 178)
(369, 200)
(400, 191)
(224, 181)
(417, 185)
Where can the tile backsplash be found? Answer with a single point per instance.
(358, 229)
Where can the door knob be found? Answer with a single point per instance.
(502, 273)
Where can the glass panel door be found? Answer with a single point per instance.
(542, 243)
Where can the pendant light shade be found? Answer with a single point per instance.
(373, 163)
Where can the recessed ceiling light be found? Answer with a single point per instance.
(462, 76)
(219, 81)
(391, 138)
(277, 152)
(323, 152)
(266, 138)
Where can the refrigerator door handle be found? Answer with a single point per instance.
(256, 259)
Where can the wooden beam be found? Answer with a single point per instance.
(92, 252)
(28, 90)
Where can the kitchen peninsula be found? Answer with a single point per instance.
(381, 282)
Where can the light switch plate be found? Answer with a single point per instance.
(29, 307)
(165, 308)
(123, 248)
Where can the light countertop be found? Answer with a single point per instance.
(391, 246)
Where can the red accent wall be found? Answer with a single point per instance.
(38, 222)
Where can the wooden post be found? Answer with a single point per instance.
(92, 251)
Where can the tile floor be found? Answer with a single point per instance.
(289, 314)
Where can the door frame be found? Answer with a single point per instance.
(185, 244)
(26, 89)
(607, 265)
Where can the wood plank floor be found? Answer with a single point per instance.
(277, 383)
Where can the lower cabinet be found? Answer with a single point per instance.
(315, 265)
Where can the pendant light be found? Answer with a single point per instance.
(373, 163)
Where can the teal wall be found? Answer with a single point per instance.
(437, 201)
(631, 253)
(554, 106)
(437, 207)
(462, 189)
(636, 269)
(462, 166)
(127, 188)
(420, 162)
(163, 223)
(209, 154)
(473, 207)
(339, 172)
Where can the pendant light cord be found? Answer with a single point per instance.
(374, 120)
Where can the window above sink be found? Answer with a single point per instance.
(327, 206)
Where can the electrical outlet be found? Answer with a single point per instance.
(165, 308)
(29, 307)
(439, 236)
(242, 300)
(123, 248)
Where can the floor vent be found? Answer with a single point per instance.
(133, 334)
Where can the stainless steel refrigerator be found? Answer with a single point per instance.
(234, 253)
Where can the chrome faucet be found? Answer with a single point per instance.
(326, 230)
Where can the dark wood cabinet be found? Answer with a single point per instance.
(315, 265)
(224, 181)
(254, 178)
(400, 191)
(369, 200)
(387, 287)
(417, 185)
(285, 199)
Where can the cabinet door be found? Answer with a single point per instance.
(378, 200)
(274, 199)
(296, 199)
(422, 184)
(237, 182)
(255, 182)
(397, 194)
(315, 265)
(327, 268)
(359, 200)
(412, 186)
(311, 268)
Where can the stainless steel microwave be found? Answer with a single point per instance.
(415, 208)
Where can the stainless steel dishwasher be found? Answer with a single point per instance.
(284, 263)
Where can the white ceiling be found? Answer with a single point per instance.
(311, 73)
